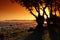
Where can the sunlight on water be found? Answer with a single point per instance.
(17, 24)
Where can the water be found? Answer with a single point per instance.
(17, 24)
(15, 30)
(12, 30)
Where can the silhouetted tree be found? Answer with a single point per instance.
(53, 26)
(36, 4)
(29, 4)
(58, 5)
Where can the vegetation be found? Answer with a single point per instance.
(53, 6)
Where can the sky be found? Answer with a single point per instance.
(13, 11)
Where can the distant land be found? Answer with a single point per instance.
(58, 20)
(19, 20)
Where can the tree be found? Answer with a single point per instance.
(58, 5)
(36, 4)
(29, 4)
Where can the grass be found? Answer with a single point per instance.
(18, 34)
(14, 34)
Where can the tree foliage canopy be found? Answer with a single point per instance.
(37, 3)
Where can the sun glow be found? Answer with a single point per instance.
(53, 13)
(9, 11)
(57, 13)
(45, 17)
(47, 11)
(41, 12)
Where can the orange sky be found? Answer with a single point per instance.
(12, 11)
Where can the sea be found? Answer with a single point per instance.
(21, 24)
(11, 29)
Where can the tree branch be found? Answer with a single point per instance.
(32, 13)
(36, 9)
(44, 11)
